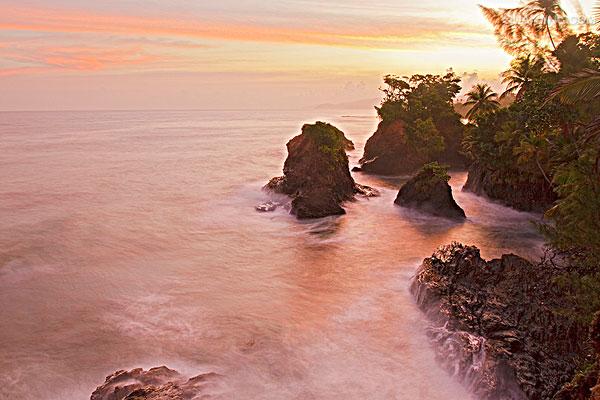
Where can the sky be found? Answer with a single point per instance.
(233, 54)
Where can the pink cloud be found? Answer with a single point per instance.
(357, 35)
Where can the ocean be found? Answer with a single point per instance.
(130, 239)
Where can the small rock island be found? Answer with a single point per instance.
(316, 173)
(430, 192)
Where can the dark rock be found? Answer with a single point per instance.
(366, 191)
(512, 189)
(430, 192)
(159, 383)
(316, 172)
(496, 325)
(388, 153)
(348, 144)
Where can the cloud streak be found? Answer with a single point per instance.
(363, 35)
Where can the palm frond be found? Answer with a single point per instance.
(580, 87)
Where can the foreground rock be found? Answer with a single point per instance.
(496, 323)
(430, 192)
(316, 173)
(521, 194)
(159, 383)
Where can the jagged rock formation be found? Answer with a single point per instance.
(495, 323)
(430, 192)
(316, 173)
(517, 192)
(159, 383)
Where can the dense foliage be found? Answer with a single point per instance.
(331, 140)
(425, 104)
(551, 132)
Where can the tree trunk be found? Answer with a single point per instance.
(549, 33)
(537, 161)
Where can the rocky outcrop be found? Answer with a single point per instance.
(316, 173)
(430, 192)
(496, 325)
(159, 383)
(514, 190)
(387, 152)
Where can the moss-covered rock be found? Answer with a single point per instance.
(430, 192)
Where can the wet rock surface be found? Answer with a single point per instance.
(316, 173)
(517, 192)
(159, 383)
(430, 192)
(495, 323)
(268, 206)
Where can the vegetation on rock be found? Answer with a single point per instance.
(316, 173)
(419, 124)
(430, 192)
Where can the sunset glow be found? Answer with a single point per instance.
(66, 54)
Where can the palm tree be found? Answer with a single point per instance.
(482, 100)
(522, 28)
(541, 12)
(521, 73)
(582, 86)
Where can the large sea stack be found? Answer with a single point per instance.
(499, 325)
(316, 173)
(387, 152)
(430, 192)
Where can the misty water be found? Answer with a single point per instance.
(130, 239)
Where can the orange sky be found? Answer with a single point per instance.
(67, 54)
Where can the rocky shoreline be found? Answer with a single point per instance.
(535, 196)
(497, 324)
(160, 383)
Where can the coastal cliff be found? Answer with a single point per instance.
(497, 324)
(517, 192)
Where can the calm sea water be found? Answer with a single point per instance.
(130, 239)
